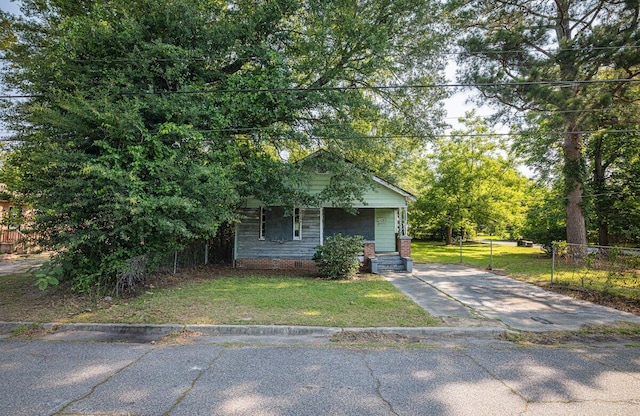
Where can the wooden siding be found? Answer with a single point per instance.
(377, 197)
(248, 244)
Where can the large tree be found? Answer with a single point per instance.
(143, 123)
(470, 183)
(613, 148)
(546, 58)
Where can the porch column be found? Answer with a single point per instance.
(321, 226)
(369, 249)
(370, 260)
(404, 222)
(404, 246)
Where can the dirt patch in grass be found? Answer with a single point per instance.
(373, 337)
(622, 334)
(21, 301)
(611, 300)
(184, 337)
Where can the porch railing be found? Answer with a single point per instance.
(11, 236)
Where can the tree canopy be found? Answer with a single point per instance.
(142, 124)
(561, 62)
(470, 183)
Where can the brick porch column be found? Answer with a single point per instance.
(370, 261)
(369, 249)
(404, 246)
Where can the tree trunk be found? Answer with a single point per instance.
(573, 168)
(449, 235)
(603, 233)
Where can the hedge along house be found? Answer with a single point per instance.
(279, 237)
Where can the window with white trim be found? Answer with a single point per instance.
(297, 224)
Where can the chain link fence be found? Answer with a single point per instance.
(591, 268)
(596, 267)
(193, 255)
(138, 268)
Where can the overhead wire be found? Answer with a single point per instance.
(236, 56)
(556, 83)
(241, 137)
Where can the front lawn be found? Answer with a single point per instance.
(224, 298)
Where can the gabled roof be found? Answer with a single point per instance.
(375, 178)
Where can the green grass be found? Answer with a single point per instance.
(273, 300)
(532, 265)
(522, 261)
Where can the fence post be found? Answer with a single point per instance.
(553, 260)
(461, 248)
(490, 254)
(206, 253)
(175, 261)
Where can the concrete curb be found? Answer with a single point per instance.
(259, 330)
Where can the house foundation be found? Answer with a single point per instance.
(276, 264)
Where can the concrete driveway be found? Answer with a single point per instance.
(463, 294)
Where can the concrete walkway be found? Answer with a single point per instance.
(461, 294)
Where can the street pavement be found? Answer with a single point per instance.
(89, 378)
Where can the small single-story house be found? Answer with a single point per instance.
(274, 237)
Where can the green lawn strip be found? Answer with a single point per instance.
(276, 300)
(528, 264)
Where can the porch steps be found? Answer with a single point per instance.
(390, 263)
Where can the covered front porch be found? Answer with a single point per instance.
(380, 227)
(387, 245)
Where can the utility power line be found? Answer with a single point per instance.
(235, 57)
(234, 137)
(562, 84)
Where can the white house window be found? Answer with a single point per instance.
(263, 223)
(297, 224)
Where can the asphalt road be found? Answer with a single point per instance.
(89, 378)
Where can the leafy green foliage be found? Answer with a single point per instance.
(147, 121)
(470, 184)
(545, 220)
(338, 257)
(49, 274)
(614, 161)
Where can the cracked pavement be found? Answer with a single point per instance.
(46, 377)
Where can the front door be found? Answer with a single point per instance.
(385, 226)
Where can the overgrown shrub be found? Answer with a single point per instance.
(338, 257)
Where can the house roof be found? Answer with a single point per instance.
(375, 178)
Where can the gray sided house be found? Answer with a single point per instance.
(272, 237)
